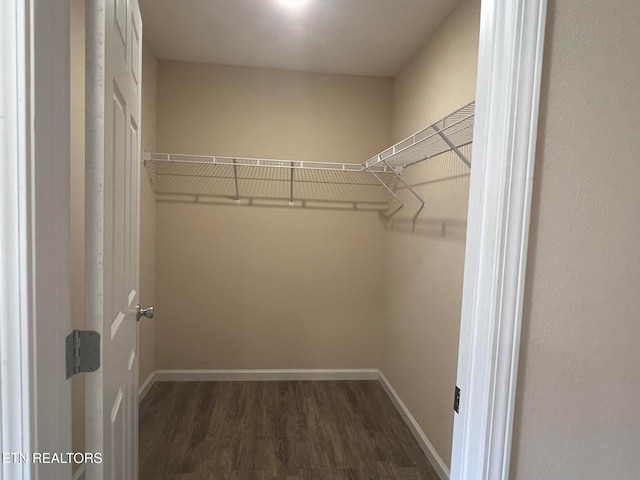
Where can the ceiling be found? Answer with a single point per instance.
(351, 37)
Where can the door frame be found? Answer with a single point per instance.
(35, 303)
(504, 147)
(34, 257)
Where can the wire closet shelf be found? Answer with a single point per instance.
(361, 186)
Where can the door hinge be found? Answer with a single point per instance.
(82, 352)
(456, 400)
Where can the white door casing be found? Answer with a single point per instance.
(504, 143)
(113, 106)
(35, 303)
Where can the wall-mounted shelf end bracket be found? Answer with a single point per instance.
(454, 148)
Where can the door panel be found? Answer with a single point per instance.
(114, 62)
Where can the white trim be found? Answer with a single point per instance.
(35, 235)
(80, 473)
(16, 407)
(436, 462)
(264, 375)
(509, 71)
(146, 386)
(51, 232)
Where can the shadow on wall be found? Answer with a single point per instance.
(452, 229)
(265, 202)
(434, 200)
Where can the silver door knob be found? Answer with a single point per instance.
(143, 312)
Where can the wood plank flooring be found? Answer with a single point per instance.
(314, 430)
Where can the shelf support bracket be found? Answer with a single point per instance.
(391, 193)
(388, 217)
(291, 190)
(455, 149)
(413, 192)
(395, 187)
(235, 177)
(401, 180)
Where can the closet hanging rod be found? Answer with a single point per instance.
(261, 162)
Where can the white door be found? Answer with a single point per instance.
(113, 72)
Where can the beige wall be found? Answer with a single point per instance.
(579, 381)
(77, 205)
(146, 332)
(253, 112)
(442, 77)
(425, 266)
(250, 287)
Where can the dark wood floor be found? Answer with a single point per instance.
(276, 430)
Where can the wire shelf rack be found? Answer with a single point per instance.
(448, 134)
(367, 186)
(265, 181)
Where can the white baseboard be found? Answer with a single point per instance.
(435, 460)
(80, 473)
(146, 386)
(263, 375)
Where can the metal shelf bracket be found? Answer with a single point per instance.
(413, 192)
(235, 178)
(455, 149)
